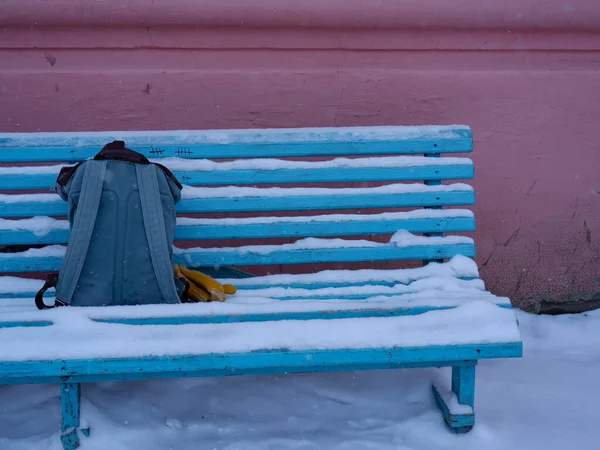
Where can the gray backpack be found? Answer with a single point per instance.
(122, 220)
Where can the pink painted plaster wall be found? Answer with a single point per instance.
(524, 74)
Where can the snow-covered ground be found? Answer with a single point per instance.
(547, 400)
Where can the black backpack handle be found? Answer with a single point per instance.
(51, 281)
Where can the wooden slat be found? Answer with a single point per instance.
(253, 317)
(23, 182)
(348, 294)
(13, 263)
(260, 204)
(306, 285)
(34, 147)
(324, 293)
(231, 318)
(33, 323)
(272, 171)
(324, 228)
(250, 363)
(50, 294)
(344, 279)
(461, 268)
(255, 371)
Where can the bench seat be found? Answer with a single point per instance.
(89, 348)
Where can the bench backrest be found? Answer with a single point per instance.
(367, 176)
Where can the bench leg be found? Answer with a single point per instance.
(70, 397)
(457, 405)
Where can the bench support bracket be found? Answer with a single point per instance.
(457, 405)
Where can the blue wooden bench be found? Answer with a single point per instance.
(369, 196)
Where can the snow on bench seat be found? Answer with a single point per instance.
(373, 292)
(459, 275)
(74, 336)
(458, 266)
(255, 308)
(440, 285)
(428, 287)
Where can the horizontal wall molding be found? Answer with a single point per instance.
(194, 38)
(439, 14)
(258, 63)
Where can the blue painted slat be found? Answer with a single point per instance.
(22, 237)
(266, 204)
(27, 296)
(324, 228)
(24, 295)
(33, 323)
(171, 375)
(342, 282)
(307, 315)
(72, 154)
(255, 317)
(31, 147)
(325, 285)
(30, 209)
(273, 230)
(345, 297)
(22, 182)
(255, 363)
(15, 264)
(250, 287)
(301, 256)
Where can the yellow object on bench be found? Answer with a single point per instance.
(201, 287)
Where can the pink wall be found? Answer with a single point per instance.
(524, 74)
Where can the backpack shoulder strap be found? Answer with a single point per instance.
(81, 232)
(156, 233)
